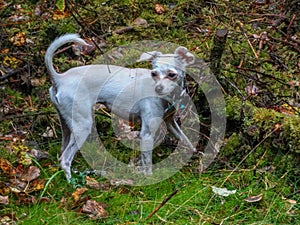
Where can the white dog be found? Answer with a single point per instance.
(133, 94)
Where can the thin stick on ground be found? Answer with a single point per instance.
(162, 204)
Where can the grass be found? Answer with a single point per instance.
(194, 203)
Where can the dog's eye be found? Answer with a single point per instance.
(154, 74)
(172, 75)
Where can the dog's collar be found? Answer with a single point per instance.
(175, 99)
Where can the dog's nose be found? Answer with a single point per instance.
(158, 89)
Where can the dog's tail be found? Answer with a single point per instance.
(57, 44)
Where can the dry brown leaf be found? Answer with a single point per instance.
(31, 174)
(48, 133)
(6, 167)
(94, 209)
(8, 219)
(256, 198)
(37, 82)
(78, 192)
(63, 201)
(16, 186)
(291, 201)
(4, 200)
(159, 9)
(4, 188)
(294, 83)
(36, 185)
(252, 90)
(84, 49)
(59, 15)
(24, 198)
(4, 51)
(92, 183)
(38, 154)
(140, 22)
(3, 4)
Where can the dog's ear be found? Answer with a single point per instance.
(149, 56)
(184, 55)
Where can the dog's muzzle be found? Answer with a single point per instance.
(159, 89)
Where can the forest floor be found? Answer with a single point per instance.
(254, 179)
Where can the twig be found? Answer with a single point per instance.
(161, 204)
(249, 42)
(13, 73)
(252, 150)
(291, 22)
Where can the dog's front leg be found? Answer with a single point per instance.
(150, 125)
(146, 153)
(174, 128)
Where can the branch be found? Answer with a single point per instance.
(13, 73)
(161, 204)
(217, 51)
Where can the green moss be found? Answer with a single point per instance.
(232, 145)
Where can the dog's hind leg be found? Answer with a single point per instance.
(80, 129)
(66, 132)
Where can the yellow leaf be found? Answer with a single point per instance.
(78, 192)
(11, 62)
(18, 39)
(59, 15)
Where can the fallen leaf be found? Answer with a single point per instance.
(44, 199)
(37, 82)
(24, 158)
(4, 188)
(92, 183)
(63, 201)
(18, 39)
(222, 191)
(294, 83)
(252, 90)
(18, 18)
(4, 51)
(36, 185)
(84, 49)
(78, 192)
(10, 61)
(31, 173)
(24, 198)
(38, 154)
(159, 9)
(59, 15)
(6, 167)
(291, 201)
(48, 133)
(3, 4)
(94, 209)
(16, 186)
(8, 219)
(4, 200)
(118, 182)
(256, 198)
(140, 22)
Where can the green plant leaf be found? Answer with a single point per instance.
(61, 5)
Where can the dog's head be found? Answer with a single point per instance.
(168, 70)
